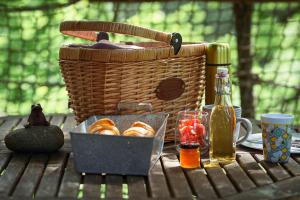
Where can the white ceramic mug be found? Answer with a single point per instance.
(238, 113)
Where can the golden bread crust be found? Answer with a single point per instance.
(145, 126)
(104, 124)
(136, 131)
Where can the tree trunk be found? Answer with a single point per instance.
(243, 14)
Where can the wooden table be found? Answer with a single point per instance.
(24, 176)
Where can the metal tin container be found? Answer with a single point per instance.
(94, 153)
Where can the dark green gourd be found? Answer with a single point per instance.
(37, 136)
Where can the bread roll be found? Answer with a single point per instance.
(145, 126)
(107, 132)
(136, 131)
(104, 126)
(94, 129)
(104, 121)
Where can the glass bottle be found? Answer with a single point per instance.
(222, 121)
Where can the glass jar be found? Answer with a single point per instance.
(190, 138)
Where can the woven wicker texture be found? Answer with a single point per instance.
(98, 79)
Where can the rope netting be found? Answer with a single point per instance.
(30, 41)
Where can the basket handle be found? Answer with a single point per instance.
(134, 106)
(88, 30)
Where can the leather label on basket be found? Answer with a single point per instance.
(170, 88)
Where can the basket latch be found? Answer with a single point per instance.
(176, 42)
(170, 88)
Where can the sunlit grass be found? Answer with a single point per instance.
(124, 191)
(3, 172)
(80, 192)
(102, 191)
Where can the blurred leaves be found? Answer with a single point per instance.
(30, 41)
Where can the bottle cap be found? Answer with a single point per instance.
(222, 72)
(218, 54)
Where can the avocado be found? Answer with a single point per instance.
(35, 139)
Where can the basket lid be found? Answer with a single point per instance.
(88, 30)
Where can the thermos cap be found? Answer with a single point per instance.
(218, 54)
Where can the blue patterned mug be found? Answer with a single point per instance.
(277, 137)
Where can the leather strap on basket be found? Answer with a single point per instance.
(88, 30)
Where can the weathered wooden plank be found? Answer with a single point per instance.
(114, 184)
(22, 122)
(200, 184)
(57, 120)
(41, 198)
(221, 182)
(92, 184)
(294, 197)
(136, 187)
(170, 148)
(15, 198)
(296, 158)
(2, 119)
(4, 159)
(52, 175)
(70, 181)
(275, 170)
(279, 190)
(252, 168)
(238, 177)
(8, 125)
(178, 183)
(292, 166)
(157, 182)
(68, 125)
(12, 173)
(31, 176)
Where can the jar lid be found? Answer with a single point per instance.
(218, 54)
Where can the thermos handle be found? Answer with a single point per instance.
(248, 125)
(88, 30)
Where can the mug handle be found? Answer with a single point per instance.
(204, 117)
(248, 125)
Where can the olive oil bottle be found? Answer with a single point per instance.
(222, 121)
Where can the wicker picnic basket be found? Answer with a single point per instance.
(98, 79)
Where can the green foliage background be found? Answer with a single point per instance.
(30, 41)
